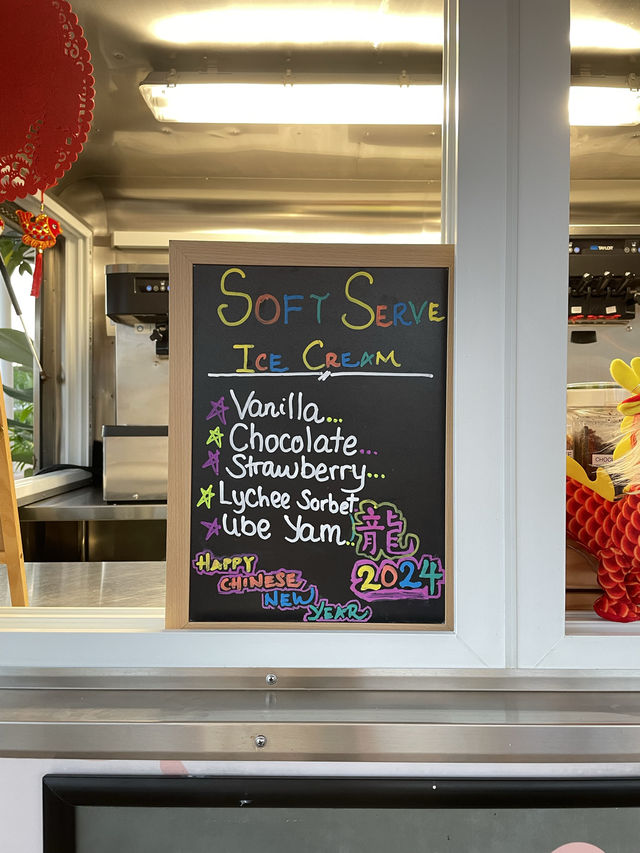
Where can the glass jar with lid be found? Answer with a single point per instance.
(593, 423)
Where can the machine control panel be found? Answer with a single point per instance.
(604, 279)
(145, 284)
(615, 246)
(134, 297)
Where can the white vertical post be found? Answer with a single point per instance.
(484, 204)
(541, 323)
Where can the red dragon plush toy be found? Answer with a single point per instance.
(606, 526)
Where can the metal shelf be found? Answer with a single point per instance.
(87, 504)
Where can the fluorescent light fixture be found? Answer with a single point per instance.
(221, 98)
(600, 106)
(325, 23)
(600, 34)
(235, 99)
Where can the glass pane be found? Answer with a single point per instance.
(536, 830)
(349, 170)
(16, 361)
(604, 282)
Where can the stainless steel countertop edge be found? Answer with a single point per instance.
(392, 679)
(320, 715)
(333, 742)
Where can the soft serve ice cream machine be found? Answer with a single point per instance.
(135, 448)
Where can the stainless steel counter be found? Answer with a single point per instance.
(186, 716)
(87, 504)
(79, 525)
(91, 584)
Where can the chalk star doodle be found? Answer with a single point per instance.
(215, 435)
(207, 495)
(213, 461)
(218, 410)
(213, 528)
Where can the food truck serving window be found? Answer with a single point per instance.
(505, 196)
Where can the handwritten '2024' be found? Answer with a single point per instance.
(407, 577)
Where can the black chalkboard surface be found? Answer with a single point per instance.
(314, 438)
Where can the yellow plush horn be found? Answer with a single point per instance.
(622, 447)
(626, 375)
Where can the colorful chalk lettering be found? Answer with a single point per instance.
(207, 563)
(295, 461)
(324, 360)
(279, 599)
(237, 582)
(324, 611)
(381, 530)
(267, 309)
(393, 580)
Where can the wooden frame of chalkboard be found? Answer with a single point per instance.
(310, 457)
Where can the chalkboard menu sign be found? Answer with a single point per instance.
(309, 470)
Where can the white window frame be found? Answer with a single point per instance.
(478, 640)
(76, 331)
(506, 193)
(547, 638)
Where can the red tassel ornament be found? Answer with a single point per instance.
(37, 274)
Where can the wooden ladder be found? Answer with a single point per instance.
(11, 551)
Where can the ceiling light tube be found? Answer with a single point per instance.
(310, 99)
(221, 98)
(603, 106)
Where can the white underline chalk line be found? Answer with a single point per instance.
(321, 377)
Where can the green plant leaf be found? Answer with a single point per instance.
(21, 450)
(22, 455)
(17, 425)
(25, 395)
(14, 347)
(14, 252)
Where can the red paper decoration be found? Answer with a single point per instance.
(47, 95)
(610, 530)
